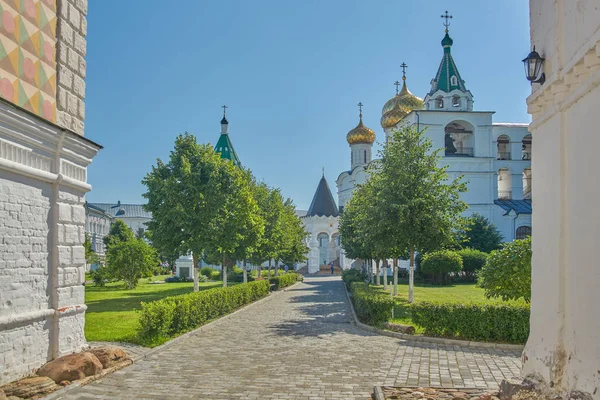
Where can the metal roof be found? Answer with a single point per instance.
(120, 210)
(518, 206)
(323, 203)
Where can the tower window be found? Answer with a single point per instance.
(453, 80)
(455, 101)
(365, 157)
(439, 102)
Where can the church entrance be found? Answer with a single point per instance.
(323, 240)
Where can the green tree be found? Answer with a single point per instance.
(90, 255)
(131, 260)
(239, 222)
(507, 272)
(119, 232)
(473, 261)
(294, 247)
(189, 198)
(271, 208)
(419, 207)
(480, 234)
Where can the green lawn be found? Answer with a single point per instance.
(457, 293)
(111, 314)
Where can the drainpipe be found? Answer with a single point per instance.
(54, 260)
(418, 121)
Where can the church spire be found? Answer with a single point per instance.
(448, 90)
(224, 145)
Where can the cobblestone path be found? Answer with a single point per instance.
(299, 344)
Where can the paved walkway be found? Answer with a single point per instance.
(299, 344)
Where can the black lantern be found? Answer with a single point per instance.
(533, 67)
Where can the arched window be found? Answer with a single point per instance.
(504, 184)
(453, 80)
(365, 154)
(523, 232)
(439, 102)
(503, 147)
(455, 101)
(527, 147)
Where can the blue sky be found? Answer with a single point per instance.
(291, 73)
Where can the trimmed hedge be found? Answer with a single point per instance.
(483, 322)
(473, 261)
(373, 306)
(285, 280)
(170, 316)
(353, 275)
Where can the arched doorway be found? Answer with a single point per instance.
(323, 240)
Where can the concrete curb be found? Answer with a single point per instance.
(429, 339)
(57, 394)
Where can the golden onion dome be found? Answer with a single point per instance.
(399, 107)
(361, 134)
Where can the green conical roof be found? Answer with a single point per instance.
(226, 149)
(443, 79)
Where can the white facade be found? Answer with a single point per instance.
(43, 171)
(133, 215)
(97, 226)
(564, 344)
(323, 241)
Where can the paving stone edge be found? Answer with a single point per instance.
(428, 339)
(57, 394)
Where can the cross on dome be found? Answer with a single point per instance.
(403, 66)
(397, 84)
(447, 18)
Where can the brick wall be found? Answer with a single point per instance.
(71, 65)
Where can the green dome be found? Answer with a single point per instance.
(447, 41)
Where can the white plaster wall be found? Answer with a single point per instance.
(564, 343)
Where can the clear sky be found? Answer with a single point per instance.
(291, 73)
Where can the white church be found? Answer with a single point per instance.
(493, 157)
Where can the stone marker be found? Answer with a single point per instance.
(71, 367)
(109, 356)
(407, 329)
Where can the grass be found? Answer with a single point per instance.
(456, 293)
(111, 315)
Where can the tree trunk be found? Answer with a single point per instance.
(270, 268)
(377, 280)
(259, 271)
(245, 271)
(411, 276)
(224, 268)
(276, 267)
(195, 271)
(395, 276)
(385, 280)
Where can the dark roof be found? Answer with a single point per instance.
(519, 206)
(122, 210)
(224, 121)
(323, 203)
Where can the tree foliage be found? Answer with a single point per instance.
(118, 232)
(131, 260)
(439, 264)
(507, 272)
(473, 261)
(480, 234)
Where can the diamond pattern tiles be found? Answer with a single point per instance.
(28, 55)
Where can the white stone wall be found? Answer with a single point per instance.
(564, 344)
(43, 180)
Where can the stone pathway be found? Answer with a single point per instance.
(299, 344)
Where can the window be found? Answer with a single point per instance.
(523, 232)
(455, 101)
(453, 81)
(439, 102)
(365, 157)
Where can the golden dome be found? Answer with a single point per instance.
(399, 107)
(361, 134)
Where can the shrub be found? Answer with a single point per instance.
(507, 272)
(486, 322)
(206, 271)
(480, 234)
(353, 275)
(215, 275)
(373, 306)
(439, 264)
(473, 260)
(167, 317)
(172, 279)
(131, 260)
(235, 274)
(285, 280)
(101, 276)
